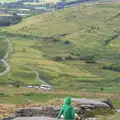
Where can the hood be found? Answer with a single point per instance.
(67, 101)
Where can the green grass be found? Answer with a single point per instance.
(9, 94)
(2, 67)
(110, 117)
(38, 40)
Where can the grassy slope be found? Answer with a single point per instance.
(86, 27)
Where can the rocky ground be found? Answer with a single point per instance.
(51, 112)
(35, 118)
(44, 118)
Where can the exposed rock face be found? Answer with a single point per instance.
(91, 104)
(108, 102)
(38, 111)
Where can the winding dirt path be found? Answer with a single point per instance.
(4, 60)
(37, 74)
(38, 78)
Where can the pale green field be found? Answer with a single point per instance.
(7, 0)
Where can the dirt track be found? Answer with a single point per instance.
(4, 60)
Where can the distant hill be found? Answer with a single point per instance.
(73, 48)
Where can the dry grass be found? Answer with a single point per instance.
(6, 109)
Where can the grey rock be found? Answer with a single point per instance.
(91, 103)
(108, 102)
(38, 111)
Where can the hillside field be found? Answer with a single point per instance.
(74, 48)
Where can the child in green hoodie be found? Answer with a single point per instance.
(67, 111)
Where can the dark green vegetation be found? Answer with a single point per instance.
(72, 48)
(9, 20)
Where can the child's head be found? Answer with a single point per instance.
(67, 101)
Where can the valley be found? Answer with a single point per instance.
(76, 50)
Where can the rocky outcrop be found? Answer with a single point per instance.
(84, 105)
(93, 103)
(84, 108)
(38, 111)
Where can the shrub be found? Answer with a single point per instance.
(59, 58)
(101, 89)
(69, 58)
(4, 95)
(112, 67)
(17, 84)
(67, 42)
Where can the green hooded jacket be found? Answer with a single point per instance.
(67, 110)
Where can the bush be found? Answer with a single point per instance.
(17, 84)
(4, 95)
(101, 89)
(69, 58)
(112, 67)
(59, 58)
(67, 42)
